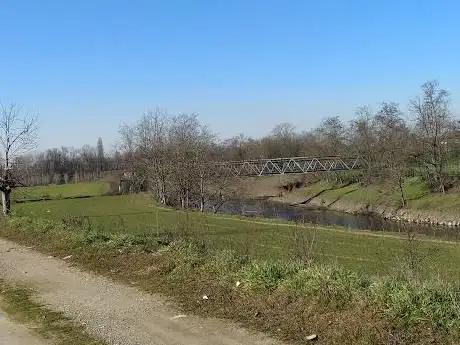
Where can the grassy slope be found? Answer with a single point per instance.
(374, 253)
(355, 196)
(417, 193)
(18, 303)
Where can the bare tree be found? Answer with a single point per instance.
(433, 124)
(18, 134)
(332, 135)
(190, 144)
(235, 148)
(143, 144)
(363, 140)
(152, 138)
(286, 140)
(173, 156)
(393, 145)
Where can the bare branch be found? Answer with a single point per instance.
(18, 131)
(18, 134)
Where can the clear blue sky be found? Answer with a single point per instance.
(244, 65)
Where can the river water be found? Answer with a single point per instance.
(275, 210)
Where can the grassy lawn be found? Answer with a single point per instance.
(70, 190)
(370, 252)
(351, 287)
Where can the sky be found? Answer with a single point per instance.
(84, 67)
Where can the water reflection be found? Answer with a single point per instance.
(269, 209)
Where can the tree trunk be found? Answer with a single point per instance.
(401, 190)
(440, 176)
(162, 184)
(201, 194)
(221, 202)
(442, 182)
(6, 201)
(160, 190)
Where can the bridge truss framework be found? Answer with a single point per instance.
(294, 165)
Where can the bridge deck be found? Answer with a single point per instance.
(293, 165)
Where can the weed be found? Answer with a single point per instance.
(225, 263)
(329, 286)
(265, 275)
(304, 241)
(409, 304)
(18, 304)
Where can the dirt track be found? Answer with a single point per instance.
(115, 313)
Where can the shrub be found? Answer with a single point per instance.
(409, 304)
(93, 237)
(266, 275)
(225, 263)
(186, 256)
(328, 285)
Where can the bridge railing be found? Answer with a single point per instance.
(292, 165)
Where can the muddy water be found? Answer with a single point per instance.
(274, 210)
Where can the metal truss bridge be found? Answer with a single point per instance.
(294, 165)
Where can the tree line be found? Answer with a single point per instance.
(174, 152)
(66, 165)
(172, 155)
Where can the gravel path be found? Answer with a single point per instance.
(114, 312)
(14, 334)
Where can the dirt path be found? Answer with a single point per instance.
(116, 313)
(14, 334)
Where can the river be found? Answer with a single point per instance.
(275, 210)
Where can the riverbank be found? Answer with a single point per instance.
(383, 200)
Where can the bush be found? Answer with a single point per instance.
(225, 263)
(410, 304)
(266, 275)
(186, 256)
(114, 188)
(94, 237)
(74, 222)
(328, 285)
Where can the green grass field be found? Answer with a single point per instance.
(370, 252)
(377, 287)
(70, 190)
